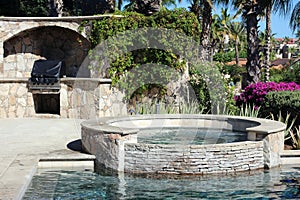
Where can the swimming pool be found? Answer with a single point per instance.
(77, 184)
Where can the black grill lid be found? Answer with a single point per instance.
(46, 71)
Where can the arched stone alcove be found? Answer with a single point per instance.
(46, 42)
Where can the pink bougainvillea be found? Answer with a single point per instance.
(254, 94)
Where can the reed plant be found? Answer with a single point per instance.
(164, 108)
(291, 133)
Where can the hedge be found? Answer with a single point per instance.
(284, 102)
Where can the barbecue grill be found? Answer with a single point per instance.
(45, 76)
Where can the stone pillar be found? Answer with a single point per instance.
(107, 147)
(64, 101)
(273, 147)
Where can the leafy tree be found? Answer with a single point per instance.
(22, 8)
(34, 8)
(179, 20)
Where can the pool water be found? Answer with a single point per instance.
(276, 183)
(193, 136)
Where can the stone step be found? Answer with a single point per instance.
(290, 153)
(290, 157)
(67, 158)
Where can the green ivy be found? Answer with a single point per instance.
(105, 29)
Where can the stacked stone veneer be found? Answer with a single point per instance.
(78, 98)
(195, 159)
(114, 143)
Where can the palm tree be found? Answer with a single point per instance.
(281, 6)
(203, 10)
(273, 42)
(267, 63)
(217, 35)
(196, 8)
(236, 31)
(206, 28)
(251, 10)
(295, 17)
(220, 29)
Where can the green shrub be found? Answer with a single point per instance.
(276, 75)
(288, 74)
(292, 74)
(243, 54)
(282, 103)
(212, 94)
(234, 71)
(224, 57)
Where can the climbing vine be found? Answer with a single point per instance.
(105, 29)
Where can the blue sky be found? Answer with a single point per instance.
(280, 24)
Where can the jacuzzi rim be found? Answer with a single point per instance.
(121, 141)
(261, 126)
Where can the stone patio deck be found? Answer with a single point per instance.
(23, 142)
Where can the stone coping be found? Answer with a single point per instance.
(290, 157)
(131, 124)
(69, 18)
(62, 80)
(290, 153)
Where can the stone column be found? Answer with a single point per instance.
(273, 147)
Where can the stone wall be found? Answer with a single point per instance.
(90, 98)
(196, 159)
(15, 100)
(78, 98)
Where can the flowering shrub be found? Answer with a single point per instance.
(254, 94)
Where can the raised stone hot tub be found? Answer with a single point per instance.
(117, 146)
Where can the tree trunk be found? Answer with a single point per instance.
(55, 8)
(120, 2)
(253, 67)
(268, 43)
(195, 8)
(205, 33)
(236, 46)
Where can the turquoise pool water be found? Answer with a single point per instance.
(193, 136)
(281, 183)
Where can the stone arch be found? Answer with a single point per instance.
(44, 42)
(16, 27)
